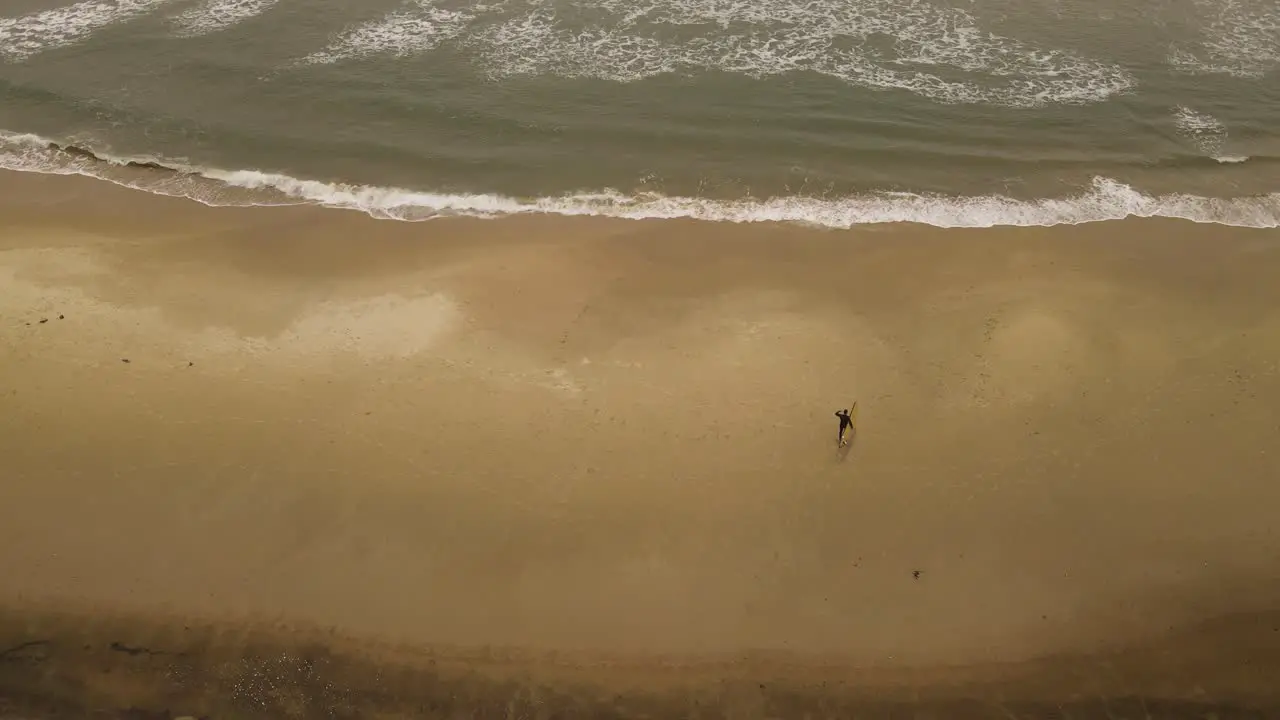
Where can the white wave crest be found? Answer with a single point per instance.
(1241, 38)
(416, 30)
(22, 37)
(913, 45)
(1105, 200)
(214, 15)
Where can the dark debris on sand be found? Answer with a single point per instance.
(173, 671)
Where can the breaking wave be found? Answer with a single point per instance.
(1106, 199)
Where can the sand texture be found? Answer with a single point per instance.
(295, 462)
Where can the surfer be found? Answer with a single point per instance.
(846, 423)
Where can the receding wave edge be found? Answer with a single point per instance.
(1106, 199)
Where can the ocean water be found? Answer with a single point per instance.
(832, 112)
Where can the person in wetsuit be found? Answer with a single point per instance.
(846, 423)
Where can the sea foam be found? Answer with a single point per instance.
(22, 37)
(1106, 199)
(1206, 131)
(215, 15)
(406, 32)
(1240, 38)
(937, 52)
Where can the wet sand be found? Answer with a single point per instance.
(575, 467)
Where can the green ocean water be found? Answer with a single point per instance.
(826, 111)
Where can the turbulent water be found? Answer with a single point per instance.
(835, 112)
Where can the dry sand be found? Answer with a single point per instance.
(256, 448)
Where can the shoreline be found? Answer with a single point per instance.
(1099, 199)
(584, 435)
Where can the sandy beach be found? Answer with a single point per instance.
(290, 461)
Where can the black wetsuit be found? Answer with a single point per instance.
(845, 423)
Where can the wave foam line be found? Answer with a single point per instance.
(1106, 199)
(22, 37)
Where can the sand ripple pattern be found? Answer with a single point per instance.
(936, 52)
(22, 37)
